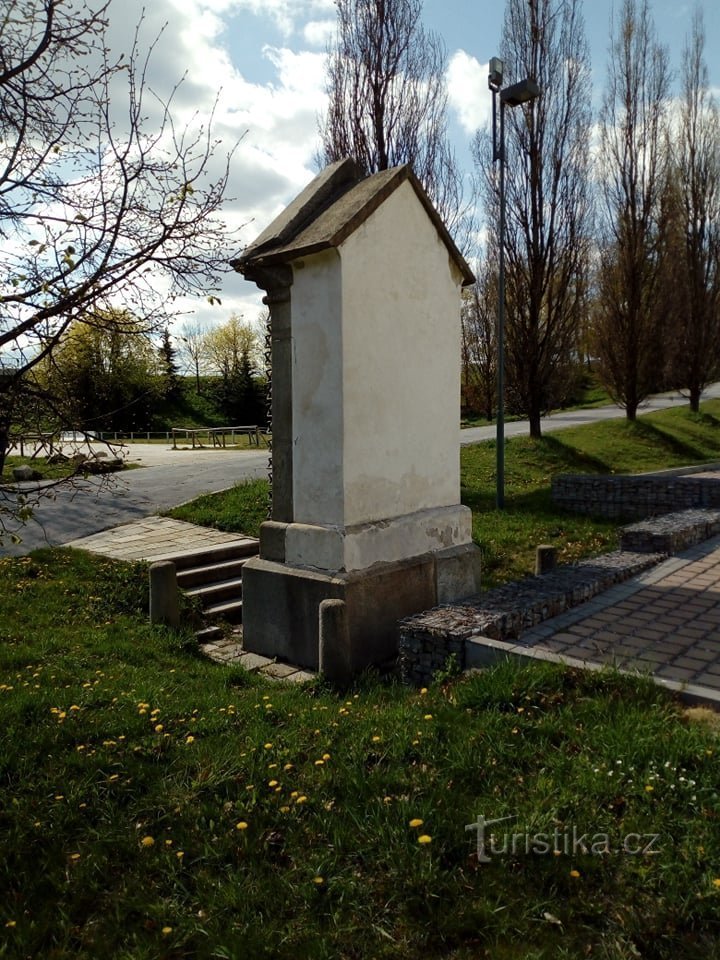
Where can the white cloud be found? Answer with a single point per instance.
(318, 33)
(468, 92)
(285, 13)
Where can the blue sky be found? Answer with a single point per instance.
(266, 56)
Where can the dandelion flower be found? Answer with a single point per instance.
(428, 716)
(190, 739)
(326, 756)
(416, 822)
(11, 923)
(272, 783)
(424, 838)
(159, 728)
(302, 799)
(376, 739)
(268, 746)
(649, 788)
(180, 854)
(148, 842)
(284, 809)
(242, 825)
(574, 874)
(319, 763)
(166, 931)
(423, 691)
(716, 882)
(74, 856)
(319, 880)
(288, 766)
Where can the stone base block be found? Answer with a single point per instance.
(282, 616)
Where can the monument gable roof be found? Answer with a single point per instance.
(330, 209)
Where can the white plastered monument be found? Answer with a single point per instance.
(363, 283)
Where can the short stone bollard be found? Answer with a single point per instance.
(334, 653)
(545, 559)
(164, 594)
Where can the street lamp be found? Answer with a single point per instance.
(523, 92)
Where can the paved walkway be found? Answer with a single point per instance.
(665, 622)
(153, 538)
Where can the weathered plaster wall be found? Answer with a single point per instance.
(401, 339)
(317, 345)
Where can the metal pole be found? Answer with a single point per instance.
(500, 433)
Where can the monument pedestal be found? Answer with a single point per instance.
(285, 615)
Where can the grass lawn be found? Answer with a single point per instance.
(49, 471)
(508, 538)
(155, 805)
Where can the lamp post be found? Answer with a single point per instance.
(523, 92)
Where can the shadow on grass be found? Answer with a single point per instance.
(572, 460)
(667, 441)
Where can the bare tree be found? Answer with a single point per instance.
(192, 349)
(548, 206)
(388, 98)
(95, 211)
(479, 341)
(632, 172)
(694, 260)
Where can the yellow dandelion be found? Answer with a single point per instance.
(716, 882)
(288, 766)
(242, 825)
(319, 763)
(159, 728)
(10, 924)
(74, 856)
(148, 842)
(319, 880)
(302, 799)
(74, 707)
(180, 854)
(326, 756)
(423, 691)
(649, 788)
(424, 838)
(272, 783)
(168, 843)
(428, 716)
(268, 746)
(190, 739)
(416, 822)
(574, 874)
(166, 931)
(376, 739)
(284, 809)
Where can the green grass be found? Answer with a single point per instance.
(128, 765)
(241, 509)
(508, 538)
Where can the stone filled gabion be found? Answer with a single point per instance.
(633, 498)
(427, 641)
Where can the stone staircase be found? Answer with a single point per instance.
(213, 575)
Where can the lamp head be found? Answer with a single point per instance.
(495, 76)
(522, 92)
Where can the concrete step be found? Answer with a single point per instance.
(230, 610)
(208, 634)
(216, 553)
(211, 573)
(211, 593)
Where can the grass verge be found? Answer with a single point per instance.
(508, 538)
(156, 805)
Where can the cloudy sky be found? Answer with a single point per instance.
(266, 57)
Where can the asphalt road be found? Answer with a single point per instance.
(170, 477)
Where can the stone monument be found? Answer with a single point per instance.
(363, 283)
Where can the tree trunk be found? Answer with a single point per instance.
(534, 419)
(4, 442)
(631, 411)
(695, 393)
